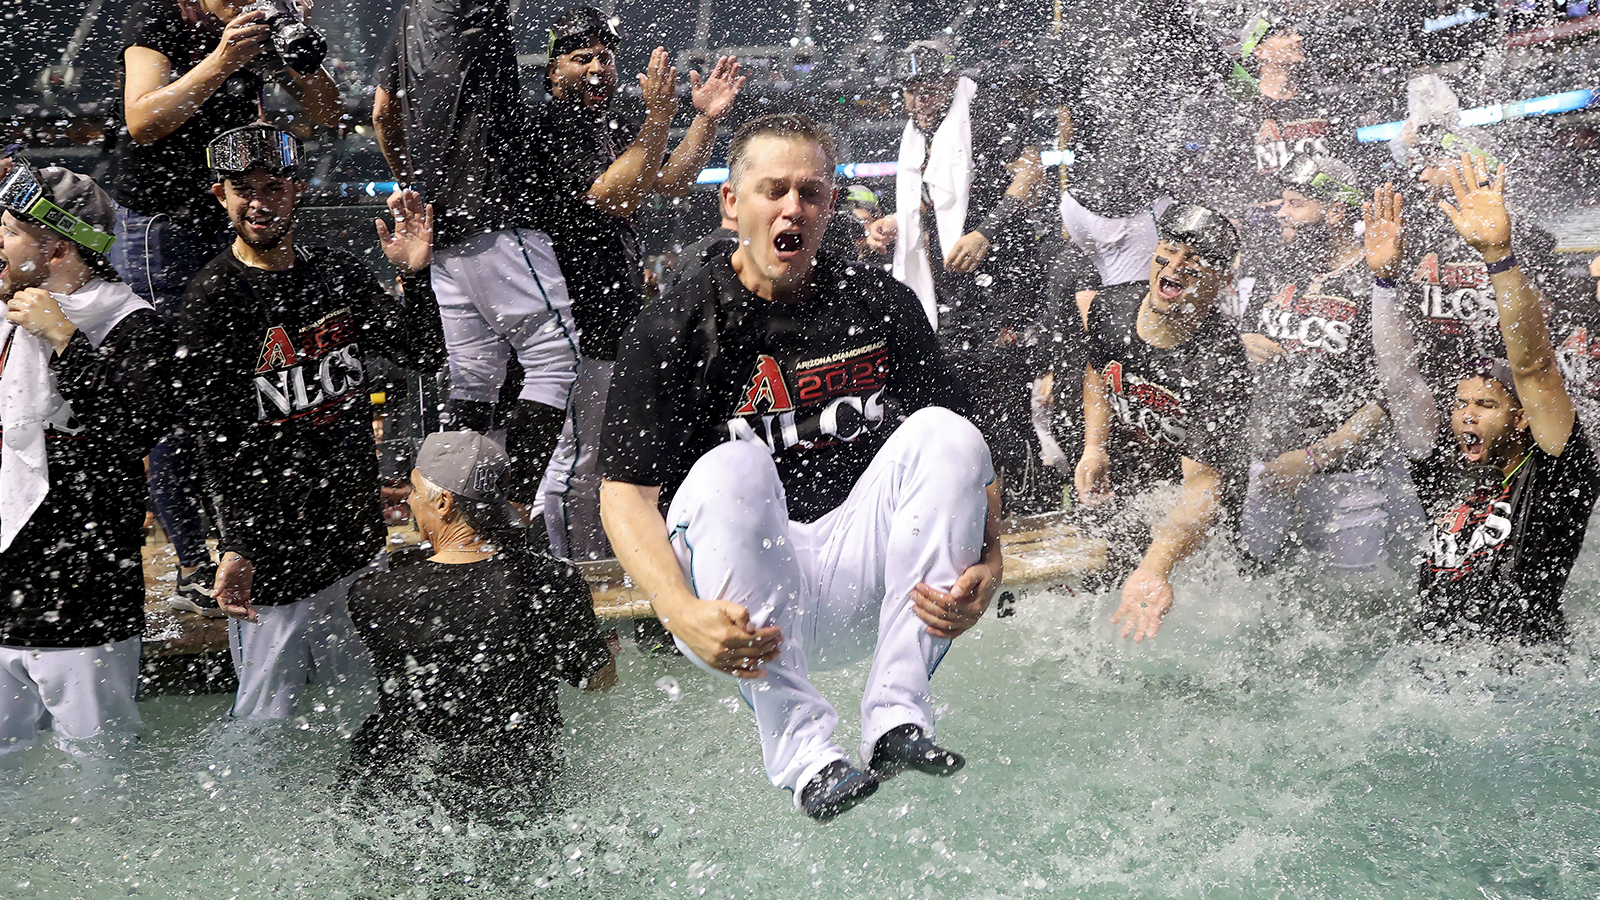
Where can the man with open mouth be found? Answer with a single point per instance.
(1165, 401)
(825, 501)
(1509, 497)
(606, 155)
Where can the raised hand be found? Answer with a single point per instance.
(1479, 213)
(1385, 240)
(714, 96)
(659, 83)
(410, 245)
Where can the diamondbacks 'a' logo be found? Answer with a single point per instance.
(277, 351)
(766, 389)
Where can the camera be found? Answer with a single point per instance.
(294, 43)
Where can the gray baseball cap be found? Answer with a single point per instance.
(474, 468)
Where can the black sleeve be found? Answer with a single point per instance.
(920, 375)
(574, 629)
(641, 441)
(155, 24)
(406, 332)
(218, 404)
(123, 388)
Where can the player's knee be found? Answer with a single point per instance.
(949, 435)
(474, 378)
(738, 479)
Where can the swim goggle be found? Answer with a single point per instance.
(21, 194)
(1212, 237)
(1303, 173)
(254, 146)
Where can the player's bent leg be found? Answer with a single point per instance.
(89, 692)
(916, 515)
(21, 709)
(534, 314)
(730, 528)
(272, 660)
(1345, 521)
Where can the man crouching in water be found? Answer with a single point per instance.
(1503, 539)
(825, 500)
(1165, 400)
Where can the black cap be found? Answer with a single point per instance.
(581, 26)
(1208, 232)
(923, 60)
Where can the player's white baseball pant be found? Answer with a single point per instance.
(571, 486)
(294, 644)
(839, 587)
(502, 292)
(77, 692)
(1344, 520)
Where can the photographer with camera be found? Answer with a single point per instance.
(192, 70)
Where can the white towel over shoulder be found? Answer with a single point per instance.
(29, 399)
(945, 165)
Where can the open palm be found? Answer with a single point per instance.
(1385, 237)
(1479, 213)
(714, 96)
(410, 245)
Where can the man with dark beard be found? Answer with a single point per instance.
(277, 335)
(605, 157)
(1322, 479)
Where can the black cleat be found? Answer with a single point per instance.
(906, 747)
(837, 788)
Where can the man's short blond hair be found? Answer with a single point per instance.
(791, 126)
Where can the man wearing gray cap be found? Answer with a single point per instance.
(84, 393)
(481, 714)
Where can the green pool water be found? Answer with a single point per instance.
(1278, 740)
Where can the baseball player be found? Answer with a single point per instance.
(448, 118)
(825, 500)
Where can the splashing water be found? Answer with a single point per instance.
(1277, 740)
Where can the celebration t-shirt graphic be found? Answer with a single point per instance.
(309, 372)
(831, 399)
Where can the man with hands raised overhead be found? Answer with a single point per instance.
(1510, 494)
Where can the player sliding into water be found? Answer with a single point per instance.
(1503, 539)
(792, 414)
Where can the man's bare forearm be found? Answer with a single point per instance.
(693, 152)
(624, 186)
(638, 534)
(390, 127)
(1181, 533)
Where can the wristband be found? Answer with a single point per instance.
(1003, 212)
(1383, 283)
(1315, 466)
(1504, 265)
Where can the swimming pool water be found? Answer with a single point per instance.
(1277, 740)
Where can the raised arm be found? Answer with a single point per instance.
(629, 181)
(1479, 214)
(1027, 174)
(318, 96)
(713, 97)
(1410, 402)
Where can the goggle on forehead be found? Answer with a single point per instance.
(1210, 235)
(1302, 173)
(22, 195)
(251, 147)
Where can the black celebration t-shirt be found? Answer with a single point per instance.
(1327, 370)
(1188, 401)
(822, 381)
(1500, 551)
